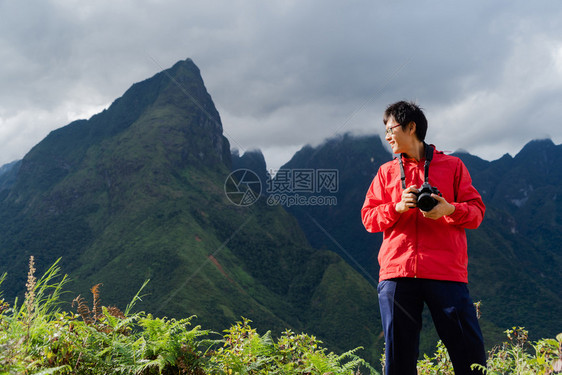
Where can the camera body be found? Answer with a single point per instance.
(425, 201)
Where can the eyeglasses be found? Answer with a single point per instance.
(390, 130)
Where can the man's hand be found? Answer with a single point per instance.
(443, 208)
(408, 200)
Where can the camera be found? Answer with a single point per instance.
(425, 201)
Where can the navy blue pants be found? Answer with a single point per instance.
(401, 302)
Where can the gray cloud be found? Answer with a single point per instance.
(287, 73)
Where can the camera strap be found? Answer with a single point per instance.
(428, 156)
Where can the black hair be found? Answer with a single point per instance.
(405, 112)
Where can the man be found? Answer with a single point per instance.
(423, 256)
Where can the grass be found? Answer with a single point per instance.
(38, 337)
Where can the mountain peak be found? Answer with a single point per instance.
(169, 116)
(536, 146)
(347, 146)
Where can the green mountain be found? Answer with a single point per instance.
(517, 252)
(137, 192)
(328, 226)
(515, 257)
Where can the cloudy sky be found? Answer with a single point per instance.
(286, 73)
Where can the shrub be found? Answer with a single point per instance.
(515, 356)
(246, 352)
(38, 338)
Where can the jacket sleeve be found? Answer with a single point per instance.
(469, 207)
(378, 212)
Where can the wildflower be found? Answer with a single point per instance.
(30, 286)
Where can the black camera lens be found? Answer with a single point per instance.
(425, 201)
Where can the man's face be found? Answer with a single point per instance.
(397, 138)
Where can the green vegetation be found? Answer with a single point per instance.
(37, 337)
(516, 356)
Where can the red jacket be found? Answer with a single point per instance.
(414, 246)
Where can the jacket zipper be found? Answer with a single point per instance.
(417, 227)
(416, 250)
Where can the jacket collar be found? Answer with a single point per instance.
(422, 160)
